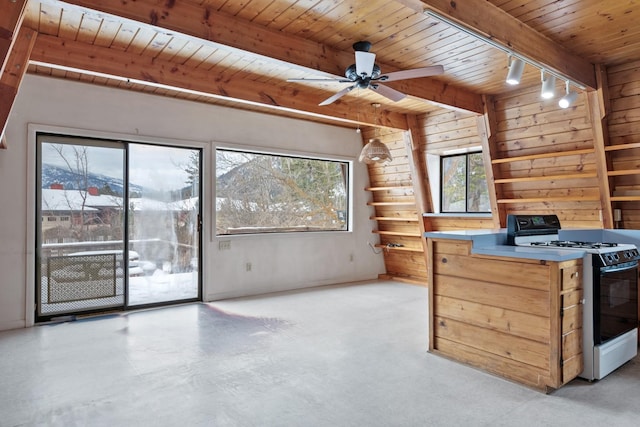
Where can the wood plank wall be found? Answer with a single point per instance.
(544, 161)
(442, 131)
(624, 129)
(396, 212)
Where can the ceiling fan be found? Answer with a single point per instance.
(366, 74)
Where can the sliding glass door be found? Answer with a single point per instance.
(81, 227)
(118, 225)
(164, 222)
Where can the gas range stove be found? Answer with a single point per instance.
(542, 231)
(609, 291)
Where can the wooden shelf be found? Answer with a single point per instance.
(543, 156)
(625, 198)
(395, 233)
(391, 203)
(397, 187)
(398, 248)
(393, 218)
(547, 177)
(622, 146)
(624, 172)
(552, 199)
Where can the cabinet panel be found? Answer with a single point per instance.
(572, 368)
(571, 318)
(571, 277)
(572, 298)
(571, 344)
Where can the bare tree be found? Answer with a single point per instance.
(278, 192)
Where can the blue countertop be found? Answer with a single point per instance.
(493, 242)
(527, 252)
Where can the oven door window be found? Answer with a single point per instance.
(616, 304)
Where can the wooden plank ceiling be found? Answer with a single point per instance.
(240, 54)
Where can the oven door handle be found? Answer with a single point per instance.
(619, 269)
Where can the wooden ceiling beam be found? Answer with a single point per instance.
(100, 60)
(11, 77)
(482, 17)
(207, 24)
(11, 15)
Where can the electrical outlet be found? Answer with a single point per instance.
(248, 266)
(224, 245)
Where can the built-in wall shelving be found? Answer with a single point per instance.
(398, 227)
(546, 177)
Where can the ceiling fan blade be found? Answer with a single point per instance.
(412, 74)
(387, 92)
(342, 80)
(336, 96)
(364, 63)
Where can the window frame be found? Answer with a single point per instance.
(466, 210)
(348, 187)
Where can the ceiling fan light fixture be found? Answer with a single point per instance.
(548, 85)
(366, 74)
(516, 67)
(375, 152)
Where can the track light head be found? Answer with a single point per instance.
(548, 85)
(569, 97)
(516, 67)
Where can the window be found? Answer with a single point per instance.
(463, 184)
(268, 193)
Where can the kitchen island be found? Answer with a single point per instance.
(513, 311)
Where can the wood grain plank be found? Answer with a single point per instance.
(522, 299)
(493, 342)
(498, 271)
(515, 323)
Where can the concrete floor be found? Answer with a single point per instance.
(352, 355)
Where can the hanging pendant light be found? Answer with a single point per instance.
(375, 152)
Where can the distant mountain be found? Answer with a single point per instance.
(57, 175)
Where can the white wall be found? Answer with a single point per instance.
(279, 262)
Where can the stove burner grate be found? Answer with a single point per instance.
(574, 244)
